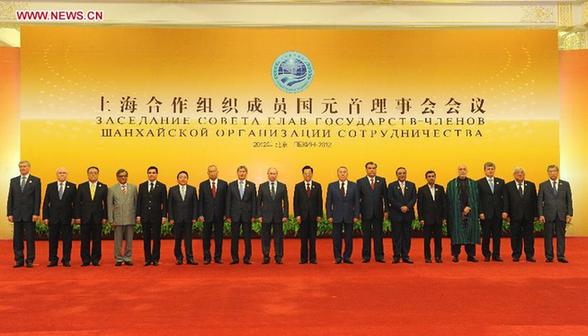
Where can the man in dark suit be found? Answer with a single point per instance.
(241, 211)
(520, 204)
(491, 207)
(342, 211)
(58, 212)
(432, 213)
(555, 211)
(213, 199)
(91, 214)
(372, 202)
(272, 207)
(23, 207)
(151, 214)
(308, 210)
(402, 195)
(182, 212)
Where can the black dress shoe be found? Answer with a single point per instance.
(118, 263)
(347, 261)
(129, 263)
(247, 262)
(313, 262)
(206, 261)
(52, 264)
(380, 261)
(395, 260)
(66, 264)
(428, 261)
(18, 265)
(191, 262)
(233, 262)
(548, 260)
(265, 261)
(85, 264)
(364, 261)
(515, 259)
(455, 259)
(407, 261)
(279, 261)
(486, 259)
(338, 261)
(179, 262)
(147, 263)
(438, 260)
(302, 262)
(218, 261)
(497, 259)
(563, 260)
(531, 259)
(155, 263)
(96, 263)
(30, 264)
(473, 259)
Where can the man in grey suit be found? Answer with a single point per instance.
(272, 205)
(122, 200)
(555, 211)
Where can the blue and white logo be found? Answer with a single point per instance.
(292, 72)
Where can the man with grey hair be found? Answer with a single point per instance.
(23, 207)
(555, 211)
(122, 202)
(213, 198)
(272, 207)
(491, 204)
(58, 213)
(520, 205)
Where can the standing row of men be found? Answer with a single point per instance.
(467, 208)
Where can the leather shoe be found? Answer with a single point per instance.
(428, 261)
(438, 260)
(18, 265)
(233, 262)
(395, 260)
(486, 259)
(118, 263)
(498, 259)
(147, 263)
(129, 263)
(179, 262)
(455, 259)
(563, 260)
(531, 259)
(380, 261)
(364, 261)
(265, 261)
(472, 259)
(156, 263)
(338, 261)
(218, 261)
(96, 263)
(279, 261)
(191, 262)
(85, 264)
(66, 264)
(247, 262)
(347, 261)
(515, 259)
(313, 262)
(206, 261)
(548, 260)
(29, 264)
(407, 261)
(52, 264)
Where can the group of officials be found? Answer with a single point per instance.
(466, 207)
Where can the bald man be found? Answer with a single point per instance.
(58, 213)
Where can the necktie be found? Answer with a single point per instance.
(432, 192)
(60, 191)
(402, 188)
(124, 188)
(213, 189)
(343, 189)
(491, 182)
(308, 190)
(92, 190)
(273, 191)
(183, 192)
(151, 186)
(23, 182)
(372, 185)
(521, 189)
(554, 187)
(241, 189)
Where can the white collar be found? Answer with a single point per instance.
(25, 176)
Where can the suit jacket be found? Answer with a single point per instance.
(491, 204)
(152, 206)
(372, 203)
(213, 208)
(342, 208)
(182, 211)
(272, 210)
(241, 209)
(429, 210)
(555, 205)
(23, 205)
(308, 207)
(122, 207)
(397, 200)
(59, 210)
(87, 209)
(520, 208)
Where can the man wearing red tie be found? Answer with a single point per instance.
(308, 210)
(213, 193)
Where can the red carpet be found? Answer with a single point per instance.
(291, 299)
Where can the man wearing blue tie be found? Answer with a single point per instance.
(342, 211)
